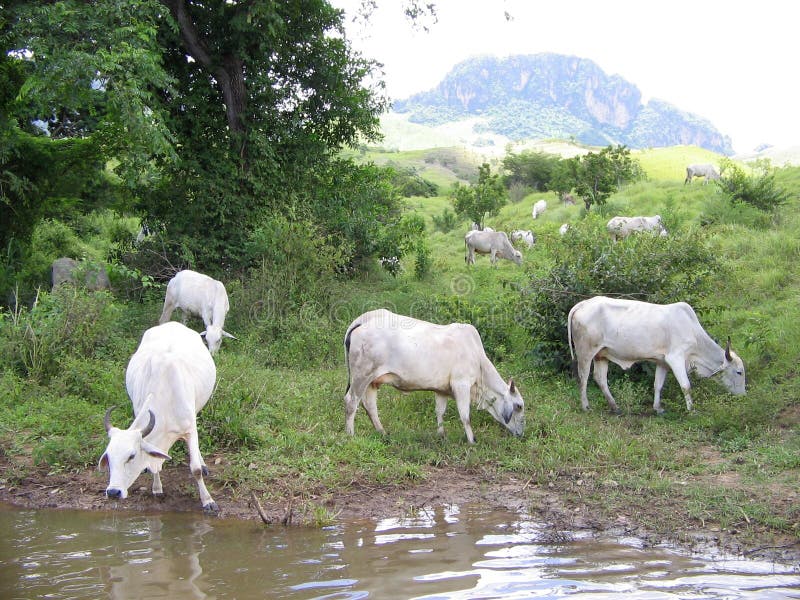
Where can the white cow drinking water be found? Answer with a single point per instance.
(494, 243)
(628, 331)
(383, 348)
(169, 379)
(202, 296)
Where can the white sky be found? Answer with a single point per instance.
(734, 63)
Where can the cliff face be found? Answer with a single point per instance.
(552, 95)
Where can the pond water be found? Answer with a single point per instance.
(450, 552)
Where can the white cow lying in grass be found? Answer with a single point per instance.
(383, 348)
(169, 379)
(622, 227)
(494, 243)
(202, 296)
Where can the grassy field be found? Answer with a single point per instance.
(276, 420)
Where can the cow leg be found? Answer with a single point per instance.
(350, 407)
(198, 468)
(370, 403)
(166, 313)
(462, 396)
(601, 378)
(493, 257)
(441, 406)
(158, 489)
(678, 366)
(658, 384)
(584, 367)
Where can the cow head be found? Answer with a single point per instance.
(213, 336)
(516, 256)
(509, 409)
(127, 454)
(733, 371)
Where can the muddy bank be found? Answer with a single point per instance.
(557, 505)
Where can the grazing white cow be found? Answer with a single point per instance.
(563, 229)
(385, 348)
(524, 235)
(169, 379)
(622, 227)
(628, 331)
(539, 208)
(202, 296)
(707, 171)
(494, 243)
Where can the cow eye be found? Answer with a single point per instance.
(131, 457)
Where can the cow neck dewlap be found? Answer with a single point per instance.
(706, 357)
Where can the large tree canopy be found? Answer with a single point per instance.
(215, 112)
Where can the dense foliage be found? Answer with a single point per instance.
(209, 118)
(759, 190)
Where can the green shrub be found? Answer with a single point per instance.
(67, 322)
(642, 267)
(759, 190)
(445, 222)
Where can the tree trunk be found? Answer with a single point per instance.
(228, 70)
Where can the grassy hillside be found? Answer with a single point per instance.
(276, 422)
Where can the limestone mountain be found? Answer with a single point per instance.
(543, 96)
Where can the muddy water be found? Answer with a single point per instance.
(444, 553)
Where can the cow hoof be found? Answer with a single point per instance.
(204, 471)
(159, 495)
(211, 508)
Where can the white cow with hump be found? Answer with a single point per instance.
(707, 171)
(202, 296)
(629, 331)
(494, 243)
(539, 208)
(169, 379)
(622, 227)
(384, 348)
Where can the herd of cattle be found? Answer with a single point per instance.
(172, 374)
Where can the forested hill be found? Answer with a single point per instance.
(542, 96)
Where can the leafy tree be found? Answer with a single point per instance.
(758, 190)
(217, 113)
(533, 169)
(486, 197)
(597, 175)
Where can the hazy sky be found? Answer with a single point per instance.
(733, 63)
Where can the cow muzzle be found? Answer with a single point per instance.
(115, 493)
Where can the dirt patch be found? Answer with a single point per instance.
(570, 504)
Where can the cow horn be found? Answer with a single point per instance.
(107, 418)
(728, 349)
(511, 386)
(152, 423)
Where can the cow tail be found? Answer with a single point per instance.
(466, 253)
(347, 352)
(569, 332)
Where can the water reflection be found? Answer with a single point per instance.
(447, 552)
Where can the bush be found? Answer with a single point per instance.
(445, 222)
(759, 190)
(642, 267)
(67, 322)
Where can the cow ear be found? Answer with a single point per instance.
(226, 334)
(511, 387)
(103, 464)
(153, 451)
(728, 356)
